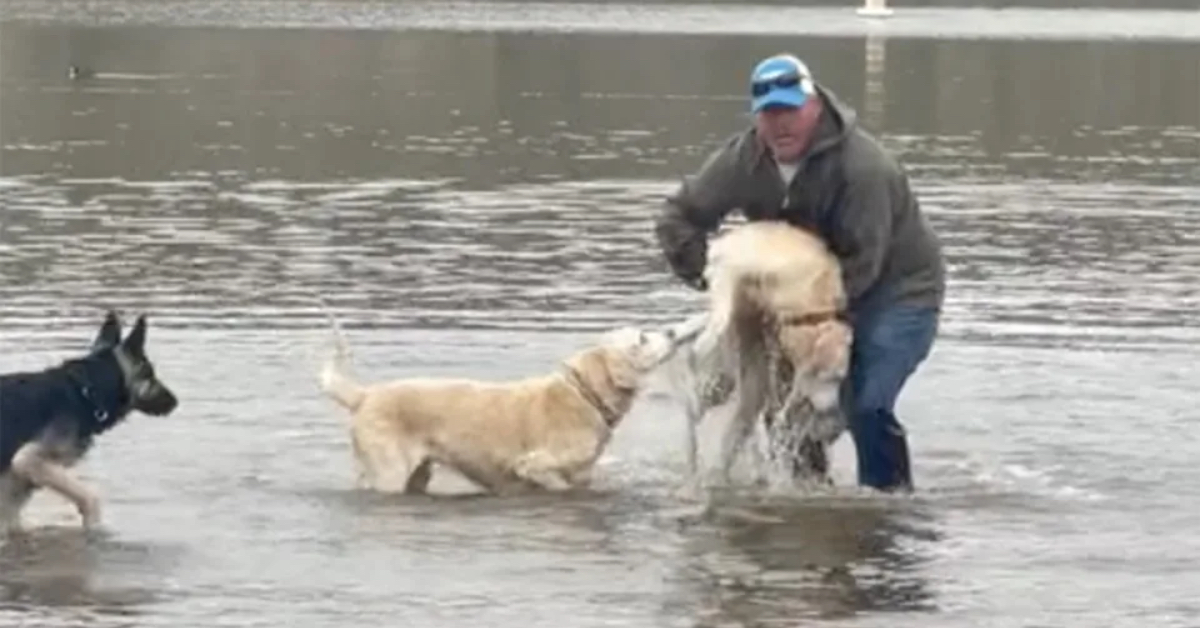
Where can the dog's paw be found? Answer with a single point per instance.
(692, 489)
(526, 463)
(90, 512)
(814, 484)
(536, 467)
(581, 478)
(97, 533)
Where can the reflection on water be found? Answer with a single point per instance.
(823, 560)
(470, 202)
(61, 567)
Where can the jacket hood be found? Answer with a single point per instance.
(837, 121)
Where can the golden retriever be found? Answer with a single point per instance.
(773, 289)
(540, 432)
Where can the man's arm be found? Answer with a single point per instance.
(862, 228)
(696, 208)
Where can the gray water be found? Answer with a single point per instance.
(477, 201)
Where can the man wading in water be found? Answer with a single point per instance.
(805, 161)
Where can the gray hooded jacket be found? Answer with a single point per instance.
(847, 189)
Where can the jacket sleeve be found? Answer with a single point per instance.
(695, 209)
(862, 228)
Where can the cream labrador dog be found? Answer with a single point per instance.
(542, 432)
(776, 328)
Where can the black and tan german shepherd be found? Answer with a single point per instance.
(49, 418)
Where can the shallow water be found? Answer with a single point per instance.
(479, 203)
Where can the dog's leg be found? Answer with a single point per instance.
(530, 469)
(392, 467)
(15, 492)
(774, 417)
(743, 348)
(581, 477)
(415, 467)
(785, 417)
(751, 397)
(796, 422)
(802, 442)
(365, 470)
(705, 386)
(492, 480)
(690, 452)
(739, 428)
(692, 483)
(542, 469)
(31, 462)
(418, 480)
(694, 409)
(555, 470)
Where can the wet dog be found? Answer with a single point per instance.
(49, 418)
(542, 432)
(777, 338)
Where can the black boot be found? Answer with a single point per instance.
(883, 461)
(899, 467)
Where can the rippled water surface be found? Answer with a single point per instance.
(478, 201)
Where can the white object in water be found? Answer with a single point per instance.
(874, 8)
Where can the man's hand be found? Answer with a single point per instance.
(697, 207)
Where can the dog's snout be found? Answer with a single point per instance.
(159, 402)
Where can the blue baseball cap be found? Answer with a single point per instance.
(781, 80)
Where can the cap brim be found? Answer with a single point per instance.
(779, 98)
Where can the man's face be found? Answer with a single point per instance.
(787, 131)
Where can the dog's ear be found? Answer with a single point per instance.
(833, 342)
(136, 340)
(592, 366)
(110, 333)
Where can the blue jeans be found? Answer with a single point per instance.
(889, 343)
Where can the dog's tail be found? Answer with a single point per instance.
(727, 266)
(335, 381)
(755, 262)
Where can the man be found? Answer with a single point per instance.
(806, 162)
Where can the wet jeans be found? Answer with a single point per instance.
(889, 344)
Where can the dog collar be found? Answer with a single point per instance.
(813, 318)
(590, 395)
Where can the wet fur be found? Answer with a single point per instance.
(537, 433)
(50, 418)
(765, 344)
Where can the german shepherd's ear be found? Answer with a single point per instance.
(136, 340)
(110, 333)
